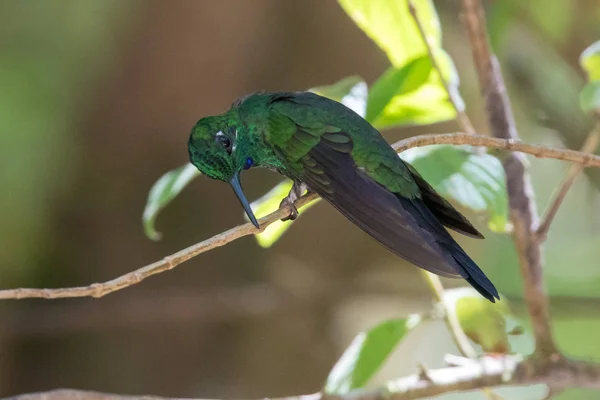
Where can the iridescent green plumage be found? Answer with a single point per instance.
(324, 145)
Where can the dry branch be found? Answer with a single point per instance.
(470, 375)
(172, 261)
(523, 212)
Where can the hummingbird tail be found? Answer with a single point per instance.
(454, 254)
(475, 275)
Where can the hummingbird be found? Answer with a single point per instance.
(326, 148)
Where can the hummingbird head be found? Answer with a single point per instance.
(213, 149)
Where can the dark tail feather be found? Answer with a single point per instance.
(475, 276)
(460, 261)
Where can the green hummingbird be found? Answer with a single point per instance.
(325, 147)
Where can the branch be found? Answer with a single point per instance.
(523, 212)
(166, 264)
(536, 150)
(590, 145)
(470, 375)
(102, 289)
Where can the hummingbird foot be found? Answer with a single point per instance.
(295, 193)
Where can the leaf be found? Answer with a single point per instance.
(590, 61)
(163, 191)
(474, 180)
(392, 27)
(424, 99)
(366, 354)
(396, 82)
(351, 92)
(589, 98)
(428, 105)
(269, 203)
(490, 325)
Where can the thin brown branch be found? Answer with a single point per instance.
(166, 264)
(590, 146)
(172, 261)
(523, 212)
(461, 117)
(536, 150)
(469, 376)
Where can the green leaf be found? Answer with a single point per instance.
(590, 61)
(163, 191)
(392, 27)
(269, 203)
(407, 93)
(351, 92)
(397, 82)
(366, 354)
(474, 180)
(491, 325)
(428, 104)
(589, 98)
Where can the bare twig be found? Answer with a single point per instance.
(589, 146)
(166, 264)
(536, 150)
(523, 213)
(461, 117)
(488, 371)
(172, 261)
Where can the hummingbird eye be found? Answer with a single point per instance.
(225, 142)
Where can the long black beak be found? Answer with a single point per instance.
(237, 188)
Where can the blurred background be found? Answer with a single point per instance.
(97, 98)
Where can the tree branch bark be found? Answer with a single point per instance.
(523, 212)
(470, 375)
(102, 289)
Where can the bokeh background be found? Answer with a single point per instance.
(97, 98)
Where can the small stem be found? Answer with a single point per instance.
(590, 145)
(452, 323)
(458, 335)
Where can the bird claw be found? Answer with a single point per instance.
(289, 203)
(294, 194)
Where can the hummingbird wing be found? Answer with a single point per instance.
(321, 156)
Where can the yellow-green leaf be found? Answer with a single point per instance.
(390, 24)
(590, 61)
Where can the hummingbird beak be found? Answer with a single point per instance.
(237, 188)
